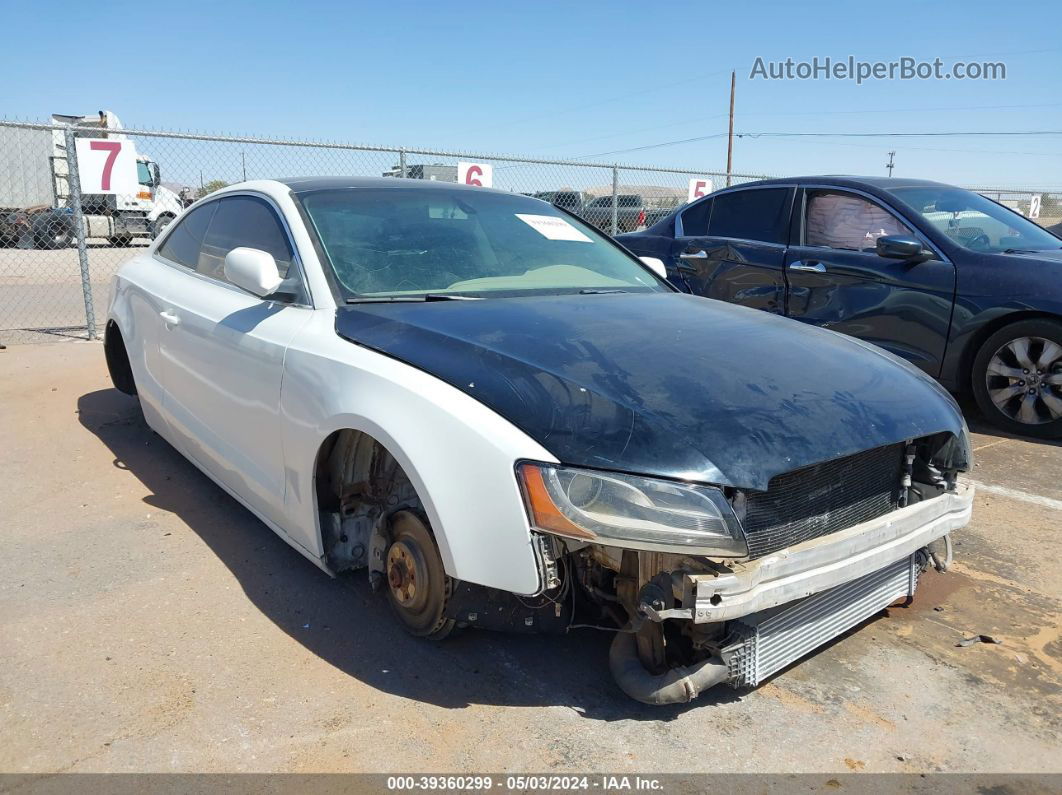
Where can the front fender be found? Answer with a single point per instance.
(458, 454)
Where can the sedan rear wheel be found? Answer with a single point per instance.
(1017, 378)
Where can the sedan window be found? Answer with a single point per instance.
(243, 221)
(185, 239)
(975, 222)
(846, 221)
(695, 219)
(759, 214)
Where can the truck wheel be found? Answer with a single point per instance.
(160, 225)
(1017, 378)
(417, 585)
(52, 232)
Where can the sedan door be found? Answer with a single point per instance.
(837, 280)
(223, 351)
(731, 246)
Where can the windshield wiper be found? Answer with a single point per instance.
(410, 299)
(594, 291)
(1025, 250)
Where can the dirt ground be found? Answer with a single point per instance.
(149, 623)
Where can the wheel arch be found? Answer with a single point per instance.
(978, 339)
(369, 442)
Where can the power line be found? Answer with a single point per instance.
(817, 135)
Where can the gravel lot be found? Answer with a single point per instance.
(149, 623)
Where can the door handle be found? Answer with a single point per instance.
(814, 267)
(702, 254)
(170, 318)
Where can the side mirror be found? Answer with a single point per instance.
(655, 265)
(252, 270)
(901, 247)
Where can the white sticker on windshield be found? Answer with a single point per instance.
(553, 228)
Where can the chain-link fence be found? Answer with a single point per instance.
(67, 223)
(1042, 206)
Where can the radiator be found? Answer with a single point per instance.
(764, 643)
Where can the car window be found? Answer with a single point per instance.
(695, 219)
(243, 221)
(186, 237)
(395, 241)
(761, 214)
(975, 222)
(844, 220)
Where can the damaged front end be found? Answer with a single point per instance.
(722, 585)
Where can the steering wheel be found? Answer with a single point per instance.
(979, 242)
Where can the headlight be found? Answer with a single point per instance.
(629, 511)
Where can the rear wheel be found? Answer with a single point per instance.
(160, 224)
(1017, 378)
(52, 231)
(417, 585)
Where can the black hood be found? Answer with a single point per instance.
(663, 384)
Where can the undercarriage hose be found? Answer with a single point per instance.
(676, 686)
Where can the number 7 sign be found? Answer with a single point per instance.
(107, 166)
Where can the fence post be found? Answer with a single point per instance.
(73, 179)
(615, 198)
(402, 163)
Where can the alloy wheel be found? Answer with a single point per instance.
(1024, 380)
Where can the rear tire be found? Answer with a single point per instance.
(418, 587)
(1017, 378)
(52, 232)
(160, 224)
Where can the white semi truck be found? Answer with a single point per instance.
(121, 194)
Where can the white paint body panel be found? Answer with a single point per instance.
(249, 389)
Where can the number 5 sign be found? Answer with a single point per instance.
(107, 166)
(481, 174)
(699, 186)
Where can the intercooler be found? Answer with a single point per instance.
(764, 643)
(818, 500)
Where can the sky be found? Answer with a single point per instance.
(599, 81)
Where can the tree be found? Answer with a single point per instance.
(210, 187)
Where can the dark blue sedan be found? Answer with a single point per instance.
(965, 288)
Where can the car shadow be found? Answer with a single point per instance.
(975, 419)
(344, 623)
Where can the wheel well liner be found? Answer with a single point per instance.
(358, 485)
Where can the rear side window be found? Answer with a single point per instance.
(243, 221)
(761, 214)
(186, 238)
(695, 219)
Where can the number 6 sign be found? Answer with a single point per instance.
(481, 174)
(107, 166)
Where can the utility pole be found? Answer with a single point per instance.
(730, 137)
(243, 164)
(890, 164)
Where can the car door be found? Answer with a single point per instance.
(731, 246)
(837, 280)
(223, 354)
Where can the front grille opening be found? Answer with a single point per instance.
(823, 498)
